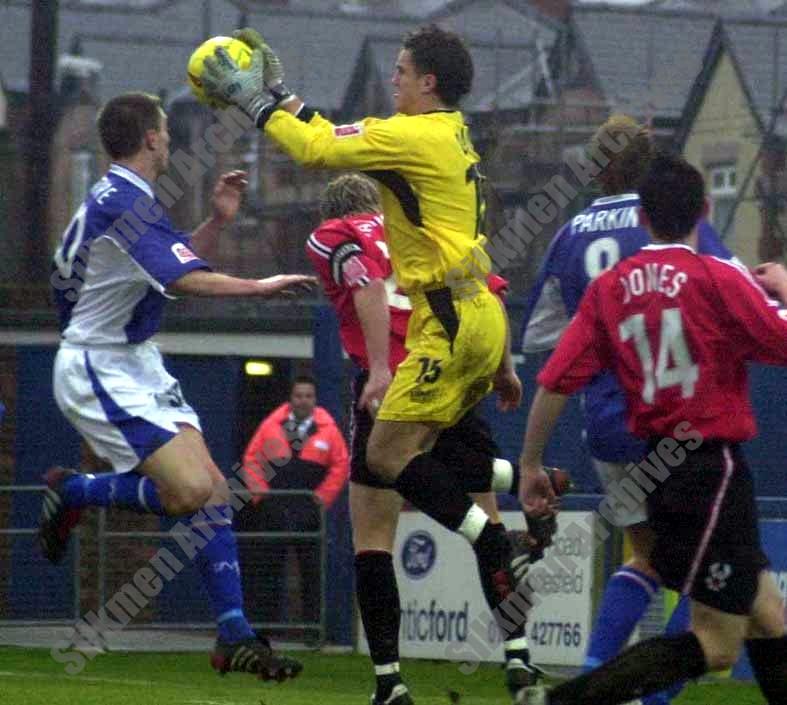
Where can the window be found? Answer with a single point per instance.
(723, 190)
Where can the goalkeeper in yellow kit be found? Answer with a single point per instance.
(457, 339)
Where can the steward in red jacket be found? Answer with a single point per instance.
(290, 451)
(297, 447)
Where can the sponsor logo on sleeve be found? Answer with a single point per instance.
(183, 253)
(348, 130)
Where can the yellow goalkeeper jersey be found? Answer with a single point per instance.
(431, 196)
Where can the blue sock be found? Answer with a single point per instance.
(218, 565)
(626, 598)
(129, 490)
(678, 622)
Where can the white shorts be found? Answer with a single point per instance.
(622, 508)
(121, 400)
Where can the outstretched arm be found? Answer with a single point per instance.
(309, 139)
(202, 283)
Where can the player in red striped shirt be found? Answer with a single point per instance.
(349, 253)
(677, 329)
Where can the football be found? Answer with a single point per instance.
(238, 51)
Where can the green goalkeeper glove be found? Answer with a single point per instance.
(273, 72)
(226, 83)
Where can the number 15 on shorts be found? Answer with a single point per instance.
(430, 370)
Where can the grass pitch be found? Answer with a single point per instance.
(32, 677)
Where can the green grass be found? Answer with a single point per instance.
(32, 677)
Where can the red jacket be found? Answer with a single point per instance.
(268, 457)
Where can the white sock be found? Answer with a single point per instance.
(386, 669)
(473, 523)
(515, 644)
(502, 475)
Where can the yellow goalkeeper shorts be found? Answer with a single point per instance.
(455, 346)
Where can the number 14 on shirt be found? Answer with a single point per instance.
(672, 349)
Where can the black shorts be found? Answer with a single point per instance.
(707, 537)
(452, 446)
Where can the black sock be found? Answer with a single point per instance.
(645, 668)
(769, 662)
(490, 558)
(493, 553)
(431, 487)
(378, 602)
(486, 569)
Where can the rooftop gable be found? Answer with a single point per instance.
(717, 48)
(644, 60)
(760, 51)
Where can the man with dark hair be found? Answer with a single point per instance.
(124, 120)
(677, 329)
(350, 255)
(444, 55)
(457, 337)
(298, 446)
(120, 259)
(594, 240)
(670, 219)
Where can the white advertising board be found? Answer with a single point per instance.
(445, 616)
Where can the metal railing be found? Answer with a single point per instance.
(35, 593)
(22, 581)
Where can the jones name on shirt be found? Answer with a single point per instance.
(652, 278)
